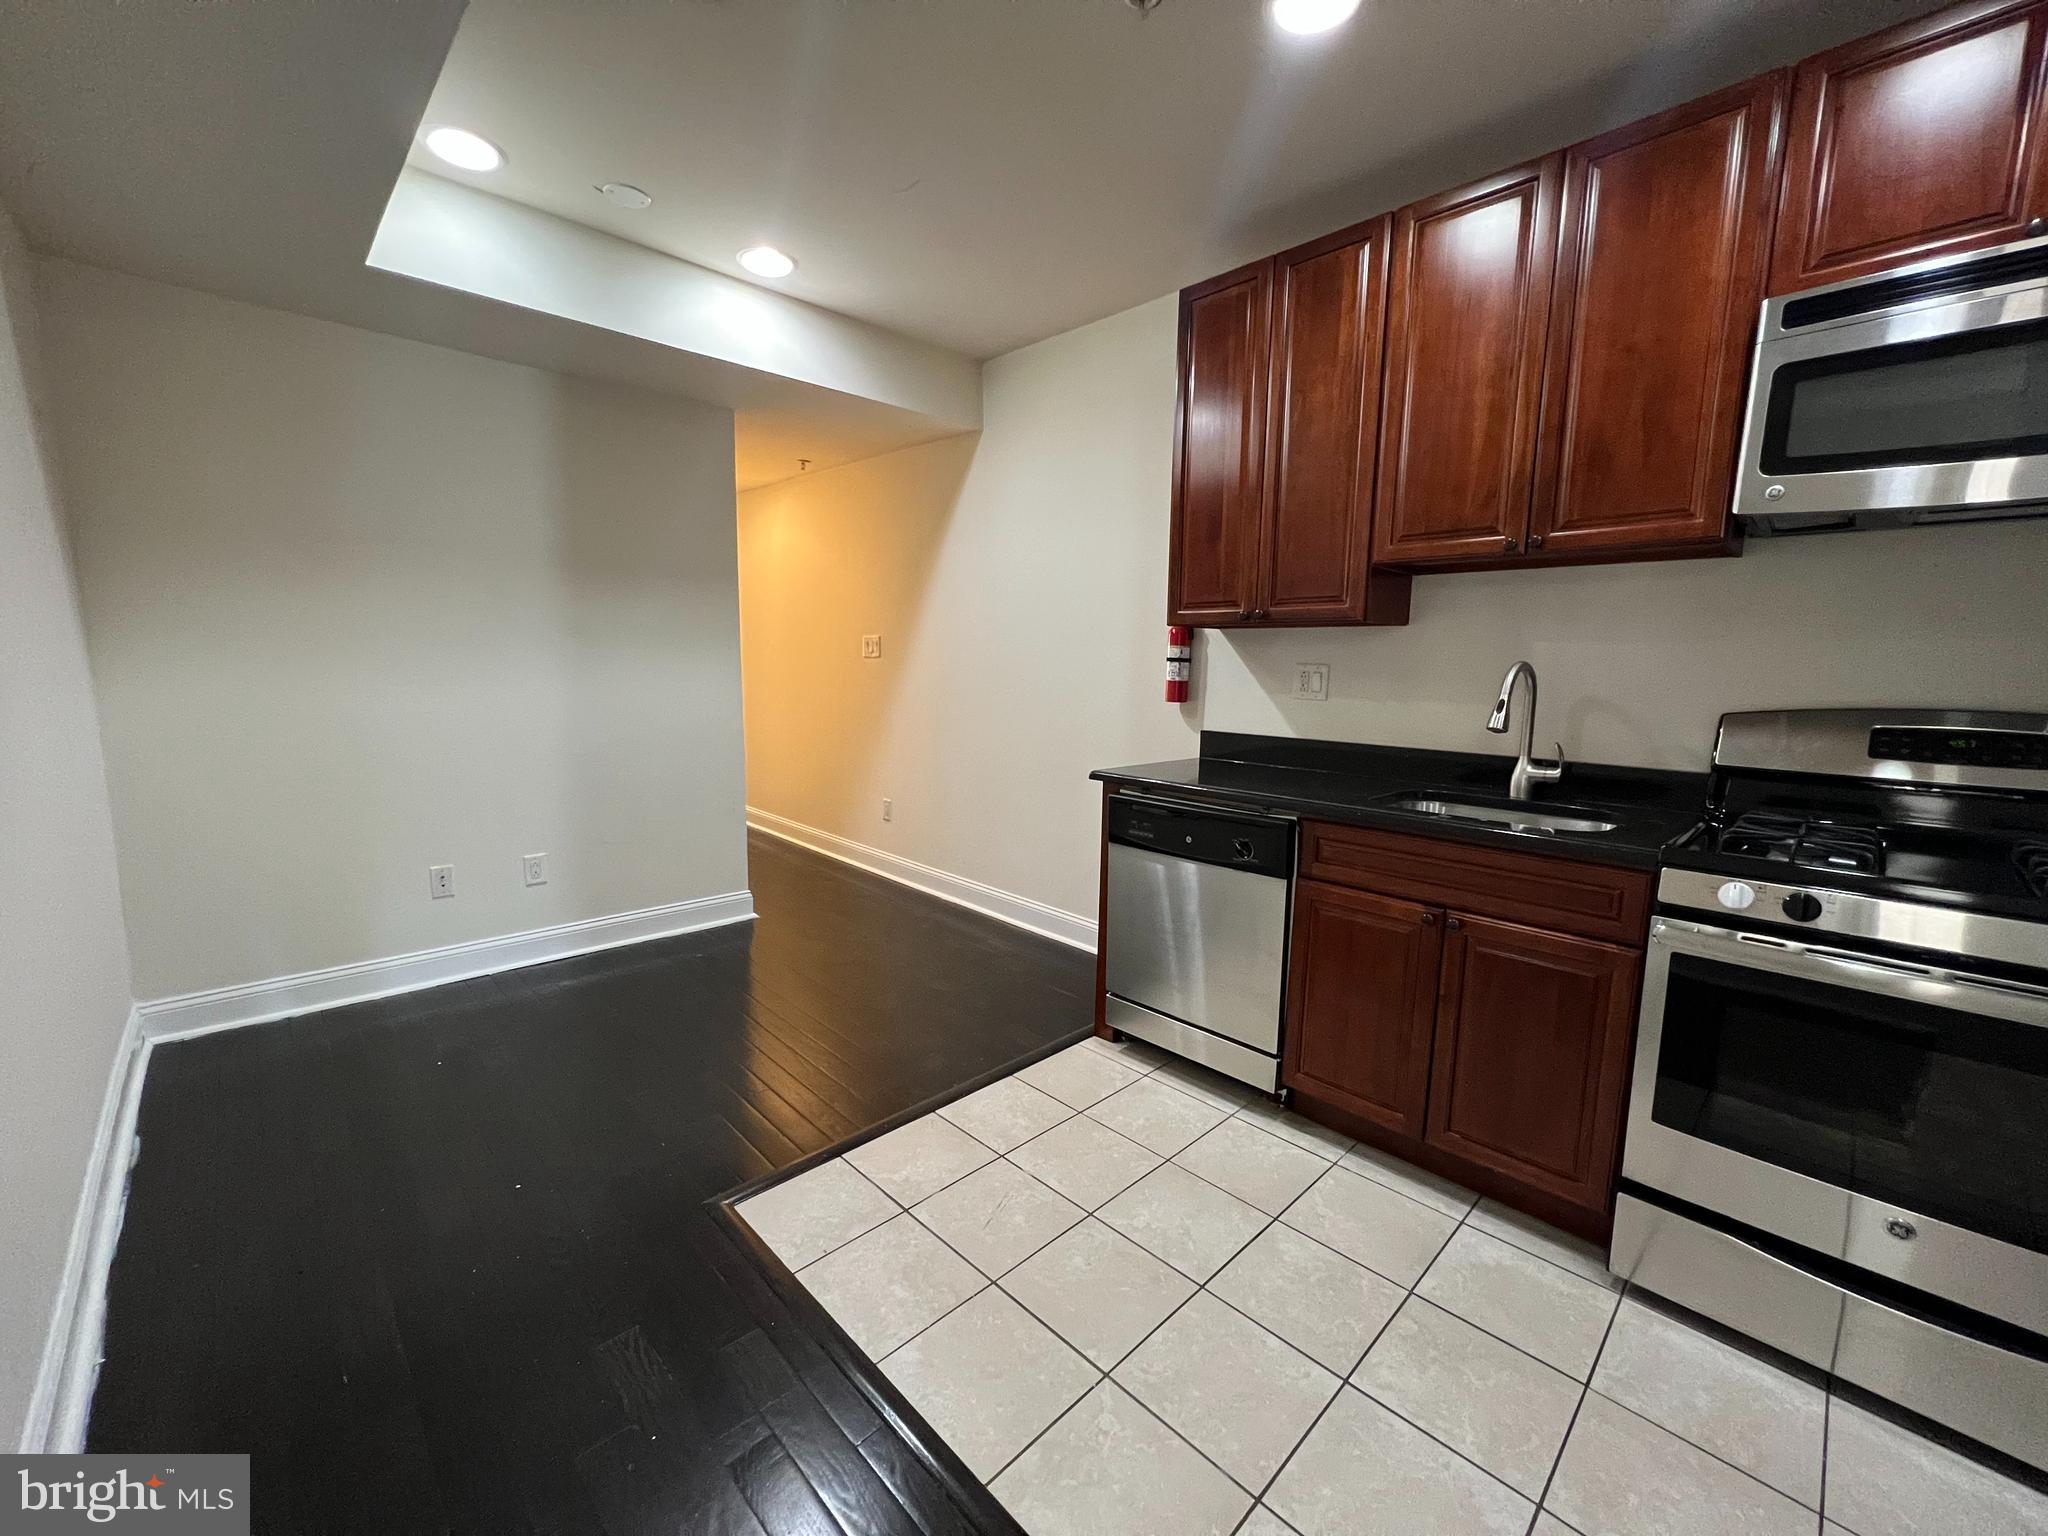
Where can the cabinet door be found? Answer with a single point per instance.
(1531, 1062)
(1219, 443)
(1361, 1003)
(1660, 275)
(1467, 312)
(1329, 318)
(1921, 141)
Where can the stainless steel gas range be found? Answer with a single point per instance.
(1837, 1136)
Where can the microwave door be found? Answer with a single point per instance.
(1939, 410)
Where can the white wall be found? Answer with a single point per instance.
(1637, 662)
(357, 605)
(1017, 579)
(64, 986)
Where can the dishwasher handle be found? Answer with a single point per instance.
(1259, 845)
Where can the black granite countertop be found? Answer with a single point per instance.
(1353, 783)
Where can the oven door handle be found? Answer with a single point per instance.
(2016, 1002)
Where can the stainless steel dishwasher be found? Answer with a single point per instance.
(1195, 952)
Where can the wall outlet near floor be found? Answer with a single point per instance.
(440, 880)
(1311, 680)
(888, 810)
(870, 647)
(536, 868)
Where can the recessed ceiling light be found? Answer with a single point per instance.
(766, 261)
(625, 195)
(464, 150)
(1308, 16)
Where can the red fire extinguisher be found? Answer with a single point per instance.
(1179, 662)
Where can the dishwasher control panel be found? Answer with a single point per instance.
(1257, 844)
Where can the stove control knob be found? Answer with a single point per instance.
(1737, 895)
(1802, 906)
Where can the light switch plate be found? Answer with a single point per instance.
(870, 647)
(1312, 680)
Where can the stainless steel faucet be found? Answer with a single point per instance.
(1528, 770)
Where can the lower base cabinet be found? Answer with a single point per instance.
(1494, 1052)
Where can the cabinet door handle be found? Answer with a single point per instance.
(1508, 545)
(1429, 919)
(1535, 541)
(1453, 924)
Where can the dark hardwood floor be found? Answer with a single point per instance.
(441, 1262)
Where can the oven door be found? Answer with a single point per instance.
(1869, 1108)
(1931, 409)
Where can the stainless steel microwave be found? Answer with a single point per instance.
(1918, 395)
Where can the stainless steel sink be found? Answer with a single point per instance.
(1516, 819)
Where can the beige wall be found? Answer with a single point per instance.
(1637, 662)
(358, 605)
(1018, 582)
(1016, 579)
(64, 987)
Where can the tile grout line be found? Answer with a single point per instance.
(1543, 1499)
(1704, 1451)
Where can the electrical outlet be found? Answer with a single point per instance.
(870, 647)
(888, 810)
(536, 869)
(440, 880)
(1312, 680)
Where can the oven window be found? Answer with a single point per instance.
(1940, 1111)
(1980, 395)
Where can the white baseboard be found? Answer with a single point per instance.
(260, 1002)
(1005, 906)
(71, 1349)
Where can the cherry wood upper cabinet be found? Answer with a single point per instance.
(1361, 1003)
(1532, 1049)
(1921, 141)
(1467, 313)
(1219, 446)
(1329, 318)
(1660, 276)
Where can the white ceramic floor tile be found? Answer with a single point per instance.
(1548, 1524)
(887, 1284)
(1085, 1160)
(1136, 1054)
(998, 1216)
(1545, 1241)
(988, 1376)
(1263, 1522)
(1405, 1178)
(1289, 1126)
(1621, 1475)
(1745, 1410)
(1212, 1088)
(1484, 1399)
(1006, 1114)
(1319, 1301)
(1078, 1076)
(1234, 1391)
(1110, 1468)
(920, 1158)
(1254, 1165)
(1386, 1232)
(1192, 1225)
(806, 1217)
(1157, 1117)
(1884, 1480)
(1098, 1290)
(1534, 1305)
(1365, 1472)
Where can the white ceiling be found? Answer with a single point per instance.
(985, 173)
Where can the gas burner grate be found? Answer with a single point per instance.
(1814, 842)
(2031, 860)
